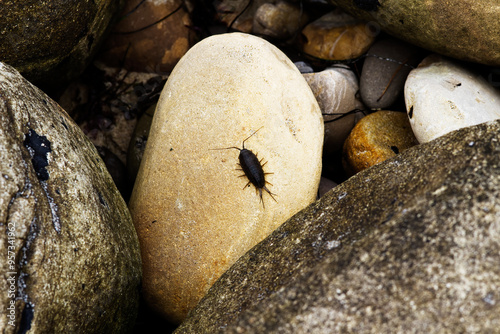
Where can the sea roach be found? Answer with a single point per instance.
(252, 168)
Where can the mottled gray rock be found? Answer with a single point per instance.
(409, 245)
(385, 70)
(53, 43)
(70, 255)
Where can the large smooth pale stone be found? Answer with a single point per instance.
(192, 211)
(441, 97)
(466, 29)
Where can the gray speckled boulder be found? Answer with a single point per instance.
(53, 43)
(463, 29)
(409, 245)
(70, 255)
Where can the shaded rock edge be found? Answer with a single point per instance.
(421, 196)
(77, 263)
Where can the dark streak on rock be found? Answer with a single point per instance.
(90, 42)
(102, 200)
(54, 208)
(28, 311)
(26, 318)
(410, 113)
(39, 148)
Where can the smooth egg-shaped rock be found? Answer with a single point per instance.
(336, 90)
(195, 212)
(442, 96)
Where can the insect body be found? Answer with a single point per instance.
(252, 168)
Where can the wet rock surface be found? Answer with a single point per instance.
(53, 44)
(444, 28)
(387, 250)
(69, 242)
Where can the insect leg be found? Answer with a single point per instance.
(270, 194)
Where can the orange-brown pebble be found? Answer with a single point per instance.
(377, 137)
(337, 36)
(139, 44)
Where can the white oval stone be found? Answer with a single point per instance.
(442, 96)
(194, 215)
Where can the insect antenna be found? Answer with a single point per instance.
(239, 149)
(251, 136)
(227, 148)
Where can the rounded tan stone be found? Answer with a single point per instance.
(377, 137)
(193, 213)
